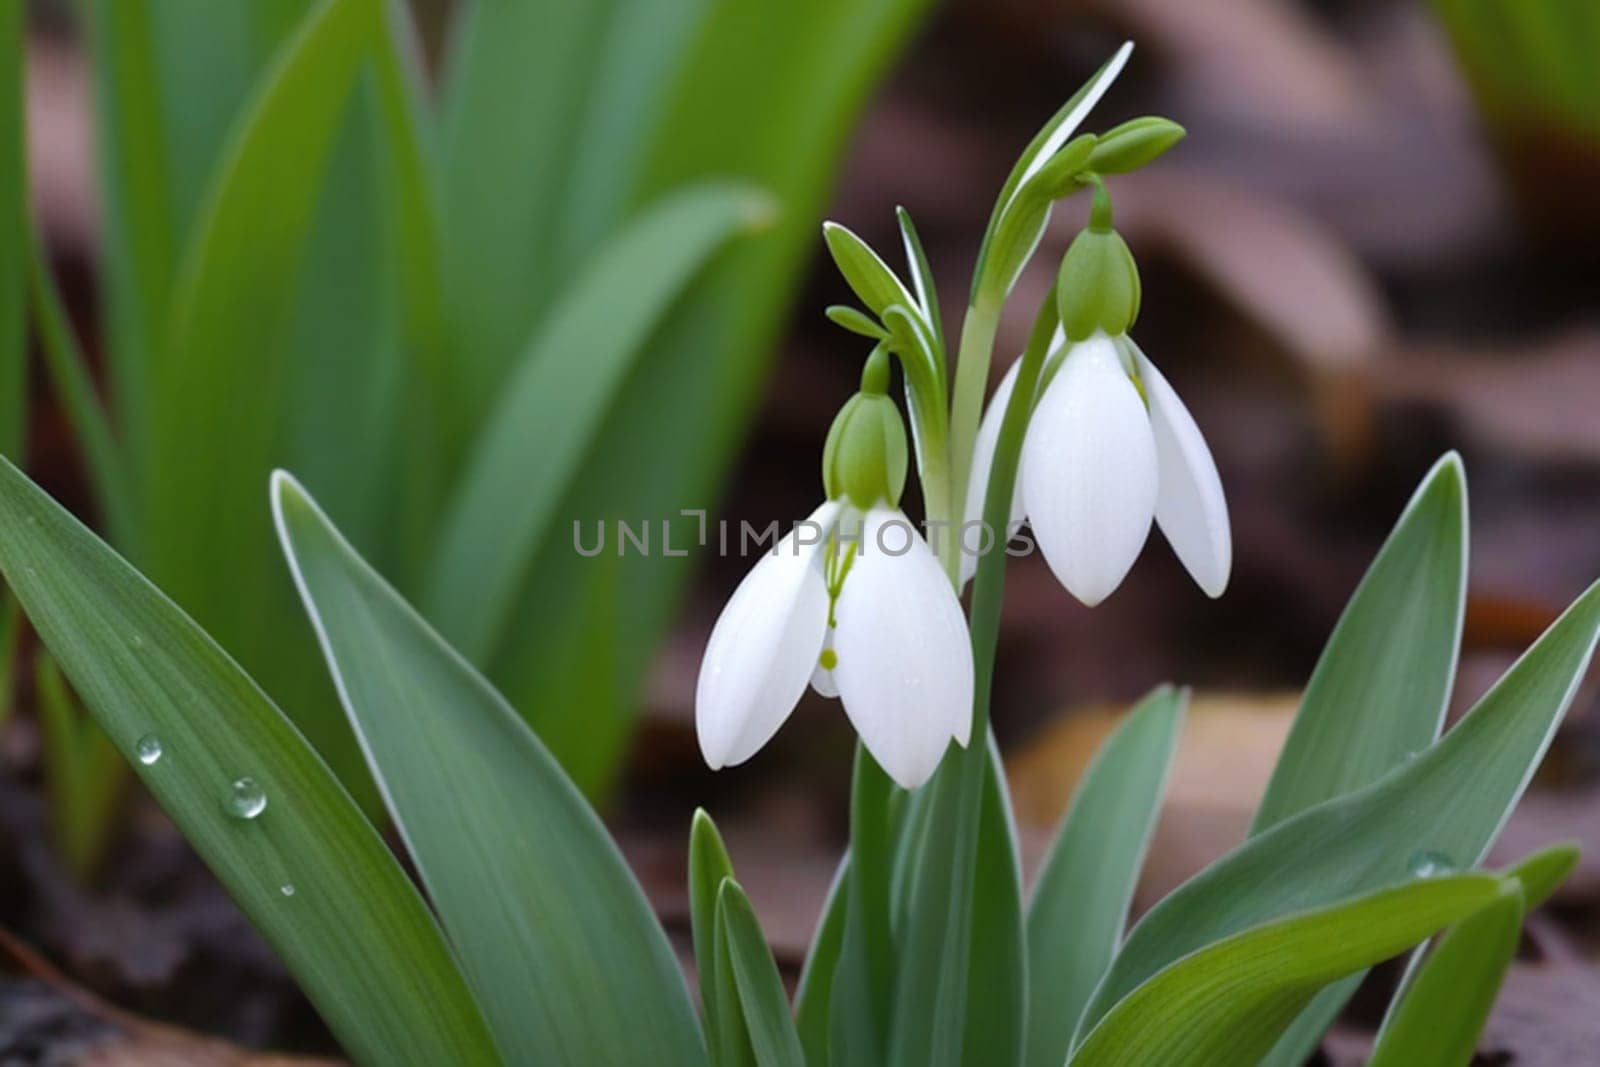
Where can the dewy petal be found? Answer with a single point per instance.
(1190, 507)
(1089, 471)
(905, 660)
(764, 646)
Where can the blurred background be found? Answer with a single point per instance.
(1380, 241)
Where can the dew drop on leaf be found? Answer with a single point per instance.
(246, 799)
(1425, 863)
(287, 889)
(148, 749)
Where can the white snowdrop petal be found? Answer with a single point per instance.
(972, 541)
(1190, 507)
(1089, 471)
(763, 647)
(904, 667)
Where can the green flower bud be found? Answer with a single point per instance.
(865, 458)
(1098, 287)
(1133, 144)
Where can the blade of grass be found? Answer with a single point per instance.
(1086, 883)
(1379, 691)
(554, 405)
(813, 996)
(13, 235)
(1228, 1002)
(355, 933)
(1452, 799)
(761, 996)
(554, 933)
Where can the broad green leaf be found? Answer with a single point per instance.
(546, 421)
(217, 391)
(709, 866)
(761, 995)
(1450, 800)
(351, 928)
(1437, 1022)
(14, 231)
(171, 76)
(1379, 691)
(1080, 902)
(813, 996)
(1539, 875)
(765, 93)
(863, 979)
(961, 983)
(733, 1048)
(548, 109)
(1228, 1002)
(554, 934)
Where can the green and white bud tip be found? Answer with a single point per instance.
(1098, 287)
(866, 458)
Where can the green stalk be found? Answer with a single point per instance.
(966, 409)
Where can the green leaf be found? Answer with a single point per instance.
(994, 275)
(1542, 873)
(733, 1048)
(961, 984)
(1228, 1002)
(813, 997)
(1132, 144)
(922, 284)
(549, 109)
(355, 934)
(1451, 800)
(104, 458)
(1379, 691)
(709, 866)
(546, 422)
(1438, 1021)
(171, 76)
(555, 935)
(217, 392)
(766, 1010)
(1086, 883)
(863, 979)
(14, 232)
(865, 272)
(766, 93)
(856, 321)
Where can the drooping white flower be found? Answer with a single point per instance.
(868, 617)
(1101, 461)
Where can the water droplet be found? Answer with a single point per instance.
(1425, 863)
(148, 749)
(137, 641)
(246, 799)
(287, 889)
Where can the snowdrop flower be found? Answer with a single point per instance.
(852, 602)
(1110, 446)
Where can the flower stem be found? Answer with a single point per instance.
(972, 377)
